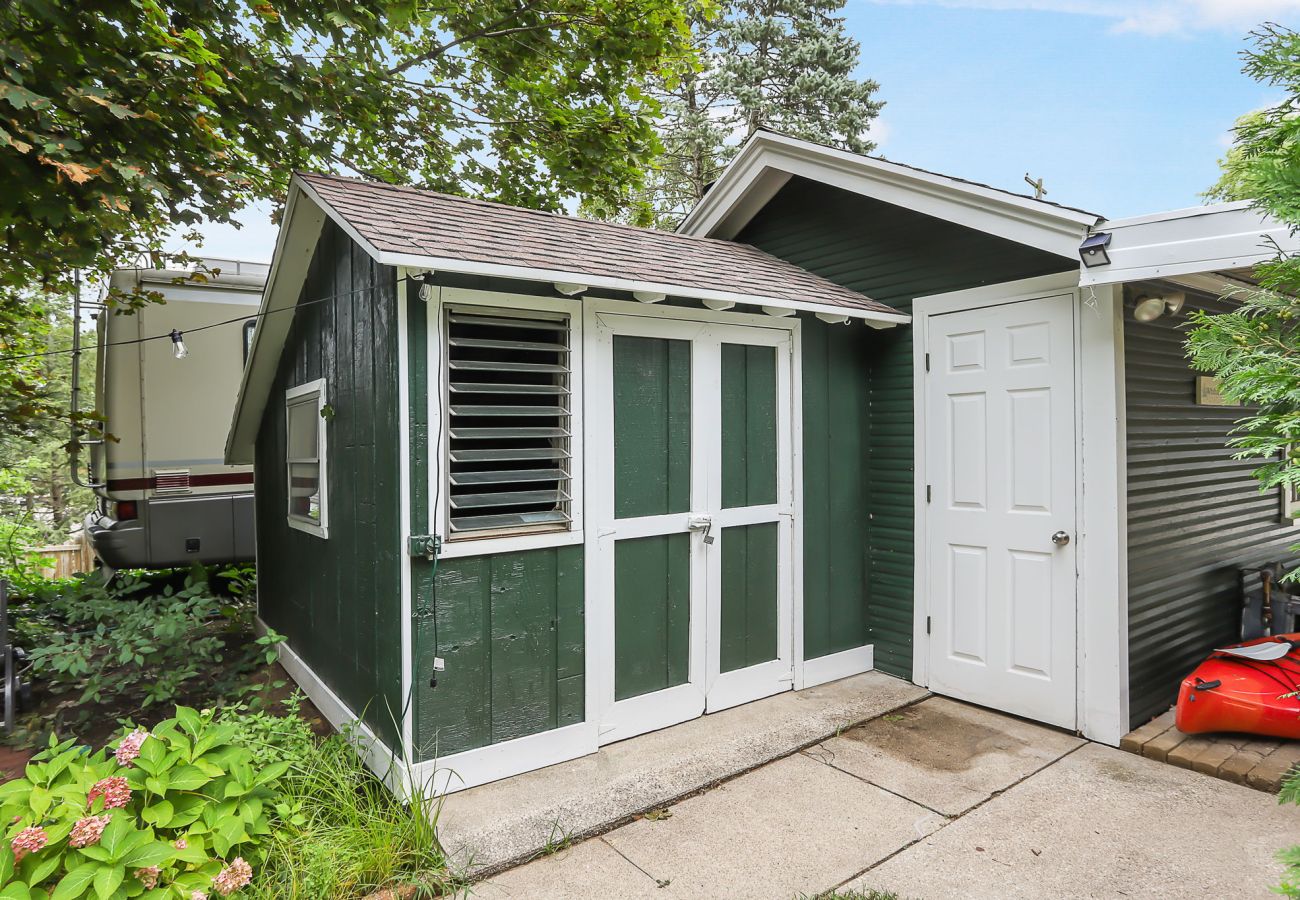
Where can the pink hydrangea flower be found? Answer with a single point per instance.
(87, 831)
(115, 791)
(233, 877)
(198, 895)
(129, 748)
(180, 844)
(148, 876)
(31, 839)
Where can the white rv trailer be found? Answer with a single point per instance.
(166, 497)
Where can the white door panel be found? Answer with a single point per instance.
(1000, 413)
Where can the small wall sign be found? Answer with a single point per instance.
(1207, 392)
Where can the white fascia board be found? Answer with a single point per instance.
(294, 246)
(1189, 242)
(615, 283)
(733, 199)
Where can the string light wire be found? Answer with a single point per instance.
(168, 335)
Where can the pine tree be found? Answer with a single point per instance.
(786, 65)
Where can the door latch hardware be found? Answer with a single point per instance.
(426, 545)
(702, 523)
(1060, 539)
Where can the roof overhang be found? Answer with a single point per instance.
(305, 214)
(1190, 242)
(768, 161)
(299, 232)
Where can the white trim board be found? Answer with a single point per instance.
(379, 759)
(768, 160)
(1214, 238)
(1102, 602)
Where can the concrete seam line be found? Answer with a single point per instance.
(601, 838)
(948, 821)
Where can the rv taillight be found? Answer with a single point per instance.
(125, 510)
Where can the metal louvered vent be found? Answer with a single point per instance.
(508, 398)
(171, 481)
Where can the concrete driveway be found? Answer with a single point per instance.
(935, 800)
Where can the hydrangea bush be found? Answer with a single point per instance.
(181, 811)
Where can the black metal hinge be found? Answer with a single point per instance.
(929, 492)
(927, 624)
(927, 362)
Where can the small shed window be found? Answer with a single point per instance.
(305, 446)
(509, 433)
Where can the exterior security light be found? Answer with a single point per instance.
(179, 349)
(1148, 309)
(1093, 250)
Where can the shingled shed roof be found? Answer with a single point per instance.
(412, 226)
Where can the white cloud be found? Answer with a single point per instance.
(1154, 17)
(880, 132)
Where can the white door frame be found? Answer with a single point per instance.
(1101, 555)
(599, 650)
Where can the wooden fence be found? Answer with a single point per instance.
(66, 560)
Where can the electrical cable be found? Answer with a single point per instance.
(240, 319)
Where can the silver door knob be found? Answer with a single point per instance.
(1060, 539)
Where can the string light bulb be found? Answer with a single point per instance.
(179, 350)
(426, 286)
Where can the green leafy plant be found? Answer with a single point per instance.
(347, 836)
(164, 813)
(271, 737)
(1290, 857)
(134, 646)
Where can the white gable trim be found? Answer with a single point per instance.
(294, 246)
(1192, 241)
(768, 160)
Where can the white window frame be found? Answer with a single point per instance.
(469, 544)
(294, 397)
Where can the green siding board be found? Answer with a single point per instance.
(652, 599)
(652, 426)
(344, 626)
(859, 563)
(510, 629)
(748, 425)
(1195, 514)
(749, 595)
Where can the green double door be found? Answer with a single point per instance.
(690, 493)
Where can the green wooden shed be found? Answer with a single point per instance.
(529, 484)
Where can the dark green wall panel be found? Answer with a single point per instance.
(338, 600)
(510, 629)
(652, 426)
(749, 445)
(1195, 514)
(652, 614)
(749, 595)
(858, 399)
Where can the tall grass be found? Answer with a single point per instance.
(348, 837)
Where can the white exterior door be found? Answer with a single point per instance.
(690, 501)
(1000, 511)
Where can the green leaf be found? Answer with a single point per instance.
(75, 883)
(49, 860)
(116, 834)
(107, 880)
(159, 813)
(16, 891)
(152, 853)
(187, 778)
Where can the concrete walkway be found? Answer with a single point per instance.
(935, 800)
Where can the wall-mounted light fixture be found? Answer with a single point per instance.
(1093, 250)
(1148, 309)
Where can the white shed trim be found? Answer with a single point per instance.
(1201, 239)
(768, 161)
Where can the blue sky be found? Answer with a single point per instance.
(1123, 107)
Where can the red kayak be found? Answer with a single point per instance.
(1244, 688)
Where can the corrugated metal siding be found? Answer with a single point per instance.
(338, 600)
(1195, 515)
(893, 255)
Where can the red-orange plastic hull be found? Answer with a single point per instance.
(1249, 697)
